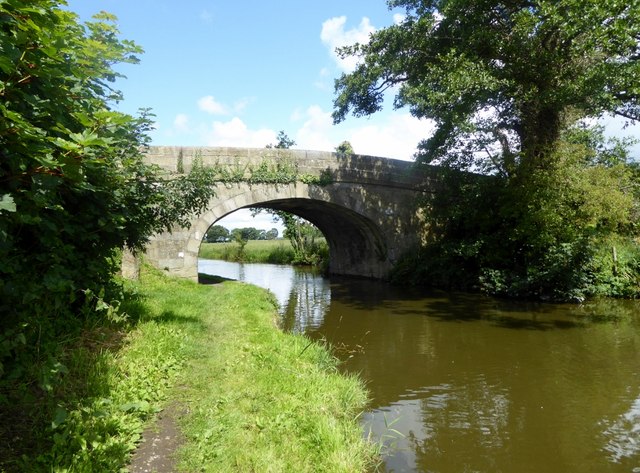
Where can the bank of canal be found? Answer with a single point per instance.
(464, 383)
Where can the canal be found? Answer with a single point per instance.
(465, 383)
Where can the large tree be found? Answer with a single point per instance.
(216, 234)
(509, 86)
(500, 79)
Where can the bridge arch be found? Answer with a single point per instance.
(356, 244)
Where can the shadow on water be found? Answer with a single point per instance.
(305, 297)
(455, 307)
(209, 279)
(461, 308)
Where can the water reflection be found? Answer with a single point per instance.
(276, 278)
(303, 295)
(623, 436)
(462, 383)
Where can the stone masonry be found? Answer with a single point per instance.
(368, 212)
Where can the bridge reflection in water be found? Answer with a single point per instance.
(463, 383)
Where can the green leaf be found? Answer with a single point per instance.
(141, 406)
(88, 138)
(6, 65)
(7, 203)
(59, 417)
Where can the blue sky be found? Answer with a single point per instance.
(235, 73)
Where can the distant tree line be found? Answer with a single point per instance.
(220, 234)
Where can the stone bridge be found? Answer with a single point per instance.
(365, 207)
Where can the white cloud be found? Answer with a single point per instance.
(242, 218)
(180, 129)
(334, 35)
(241, 104)
(315, 131)
(397, 136)
(210, 105)
(235, 133)
(391, 135)
(181, 123)
(394, 135)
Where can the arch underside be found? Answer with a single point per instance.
(356, 246)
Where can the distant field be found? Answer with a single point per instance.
(256, 251)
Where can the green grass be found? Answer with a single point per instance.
(257, 399)
(256, 251)
(270, 401)
(112, 378)
(267, 251)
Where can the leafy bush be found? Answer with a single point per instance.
(74, 188)
(549, 234)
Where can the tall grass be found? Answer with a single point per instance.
(255, 251)
(112, 376)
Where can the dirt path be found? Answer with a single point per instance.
(156, 453)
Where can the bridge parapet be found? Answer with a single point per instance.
(353, 168)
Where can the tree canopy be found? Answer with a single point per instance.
(284, 142)
(511, 87)
(501, 80)
(216, 234)
(252, 233)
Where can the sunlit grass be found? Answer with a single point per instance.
(257, 399)
(257, 251)
(115, 376)
(270, 402)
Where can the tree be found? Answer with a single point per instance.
(216, 234)
(300, 232)
(272, 234)
(509, 87)
(247, 233)
(344, 149)
(500, 80)
(241, 238)
(302, 235)
(284, 142)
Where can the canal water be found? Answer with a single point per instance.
(464, 383)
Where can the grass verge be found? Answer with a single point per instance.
(257, 399)
(269, 401)
(255, 251)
